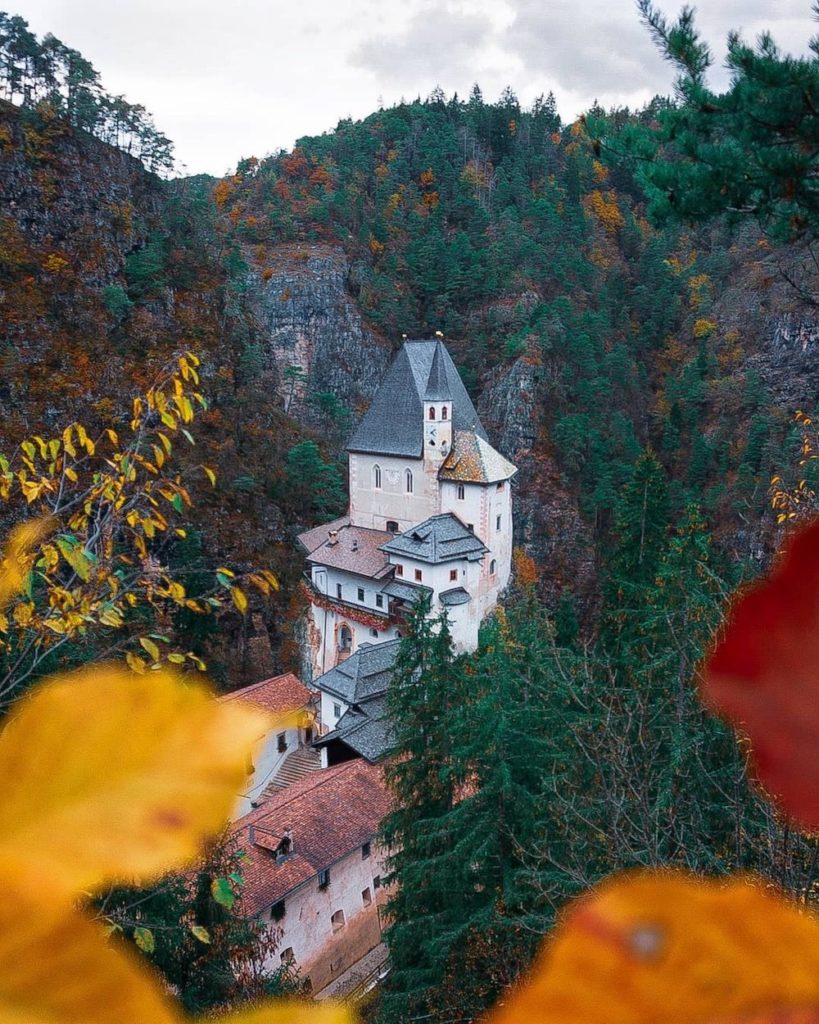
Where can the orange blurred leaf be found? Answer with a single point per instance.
(106, 775)
(664, 948)
(55, 966)
(763, 676)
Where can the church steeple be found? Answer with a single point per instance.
(437, 408)
(438, 389)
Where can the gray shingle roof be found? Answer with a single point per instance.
(365, 728)
(363, 675)
(409, 592)
(438, 539)
(457, 595)
(438, 389)
(393, 425)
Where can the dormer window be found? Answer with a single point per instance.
(444, 413)
(432, 412)
(408, 479)
(377, 478)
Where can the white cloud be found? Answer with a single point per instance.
(226, 81)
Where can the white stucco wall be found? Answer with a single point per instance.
(321, 952)
(266, 759)
(372, 507)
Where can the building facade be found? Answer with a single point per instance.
(430, 513)
(322, 894)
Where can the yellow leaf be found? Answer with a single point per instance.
(290, 1011)
(210, 475)
(150, 647)
(55, 966)
(176, 658)
(134, 661)
(671, 949)
(131, 774)
(18, 554)
(23, 613)
(239, 599)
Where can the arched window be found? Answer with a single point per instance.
(377, 477)
(408, 477)
(443, 413)
(432, 412)
(492, 567)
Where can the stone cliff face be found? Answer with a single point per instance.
(313, 332)
(67, 198)
(548, 523)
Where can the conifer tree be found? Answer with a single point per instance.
(425, 686)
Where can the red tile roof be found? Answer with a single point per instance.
(311, 539)
(355, 549)
(277, 695)
(329, 813)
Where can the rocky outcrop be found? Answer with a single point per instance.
(548, 522)
(313, 332)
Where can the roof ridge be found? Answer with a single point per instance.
(262, 682)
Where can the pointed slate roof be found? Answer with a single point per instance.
(438, 389)
(394, 423)
(438, 539)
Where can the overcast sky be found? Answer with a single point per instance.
(231, 79)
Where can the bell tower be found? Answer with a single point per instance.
(437, 410)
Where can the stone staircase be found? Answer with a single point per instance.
(295, 766)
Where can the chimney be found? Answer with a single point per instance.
(333, 537)
(354, 545)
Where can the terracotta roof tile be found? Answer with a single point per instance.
(278, 695)
(311, 539)
(330, 813)
(355, 549)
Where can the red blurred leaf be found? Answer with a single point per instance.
(763, 676)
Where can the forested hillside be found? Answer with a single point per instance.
(587, 335)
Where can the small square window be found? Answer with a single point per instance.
(418, 575)
(324, 878)
(366, 850)
(377, 882)
(499, 486)
(399, 570)
(281, 742)
(470, 527)
(453, 574)
(337, 920)
(277, 911)
(374, 632)
(337, 710)
(379, 600)
(360, 593)
(366, 897)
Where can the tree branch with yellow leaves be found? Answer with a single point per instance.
(114, 504)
